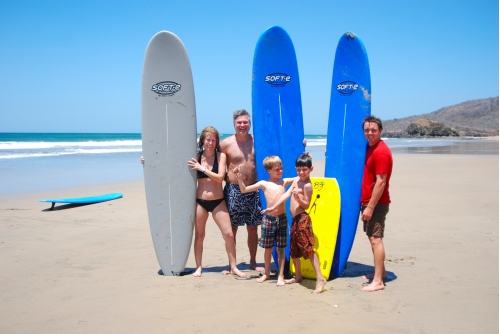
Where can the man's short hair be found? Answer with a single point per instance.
(372, 119)
(241, 112)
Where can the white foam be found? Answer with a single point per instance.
(50, 145)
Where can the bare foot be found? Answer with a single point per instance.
(320, 285)
(197, 273)
(280, 282)
(293, 280)
(263, 278)
(374, 286)
(236, 272)
(254, 266)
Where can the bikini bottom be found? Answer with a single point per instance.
(209, 205)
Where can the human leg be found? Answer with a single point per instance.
(280, 237)
(222, 220)
(281, 264)
(201, 217)
(371, 275)
(244, 209)
(298, 274)
(320, 280)
(378, 250)
(374, 229)
(235, 230)
(268, 254)
(295, 250)
(253, 241)
(266, 241)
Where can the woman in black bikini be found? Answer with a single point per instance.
(210, 197)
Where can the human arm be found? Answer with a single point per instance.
(243, 187)
(217, 177)
(289, 180)
(378, 190)
(303, 195)
(221, 173)
(286, 195)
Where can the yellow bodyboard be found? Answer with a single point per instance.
(324, 211)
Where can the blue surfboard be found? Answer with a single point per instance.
(278, 127)
(84, 200)
(350, 103)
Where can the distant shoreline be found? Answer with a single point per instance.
(41, 166)
(6, 135)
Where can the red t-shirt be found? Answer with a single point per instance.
(378, 161)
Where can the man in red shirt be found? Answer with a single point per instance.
(375, 197)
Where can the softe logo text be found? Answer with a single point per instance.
(347, 87)
(278, 79)
(166, 88)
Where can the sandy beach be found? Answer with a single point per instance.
(92, 269)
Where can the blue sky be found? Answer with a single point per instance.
(76, 66)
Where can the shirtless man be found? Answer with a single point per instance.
(244, 209)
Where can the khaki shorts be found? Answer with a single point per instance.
(375, 227)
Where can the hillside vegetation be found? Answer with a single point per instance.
(477, 118)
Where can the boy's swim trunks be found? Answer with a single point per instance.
(301, 236)
(274, 228)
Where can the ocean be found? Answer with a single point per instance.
(37, 162)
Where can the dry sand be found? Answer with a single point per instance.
(92, 269)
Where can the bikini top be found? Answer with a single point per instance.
(215, 167)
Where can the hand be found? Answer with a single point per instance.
(268, 210)
(194, 164)
(237, 171)
(296, 191)
(367, 214)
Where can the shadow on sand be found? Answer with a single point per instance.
(354, 269)
(65, 207)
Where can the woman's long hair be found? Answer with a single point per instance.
(206, 131)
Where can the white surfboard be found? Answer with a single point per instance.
(168, 142)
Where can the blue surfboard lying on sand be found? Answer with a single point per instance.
(350, 103)
(278, 126)
(84, 200)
